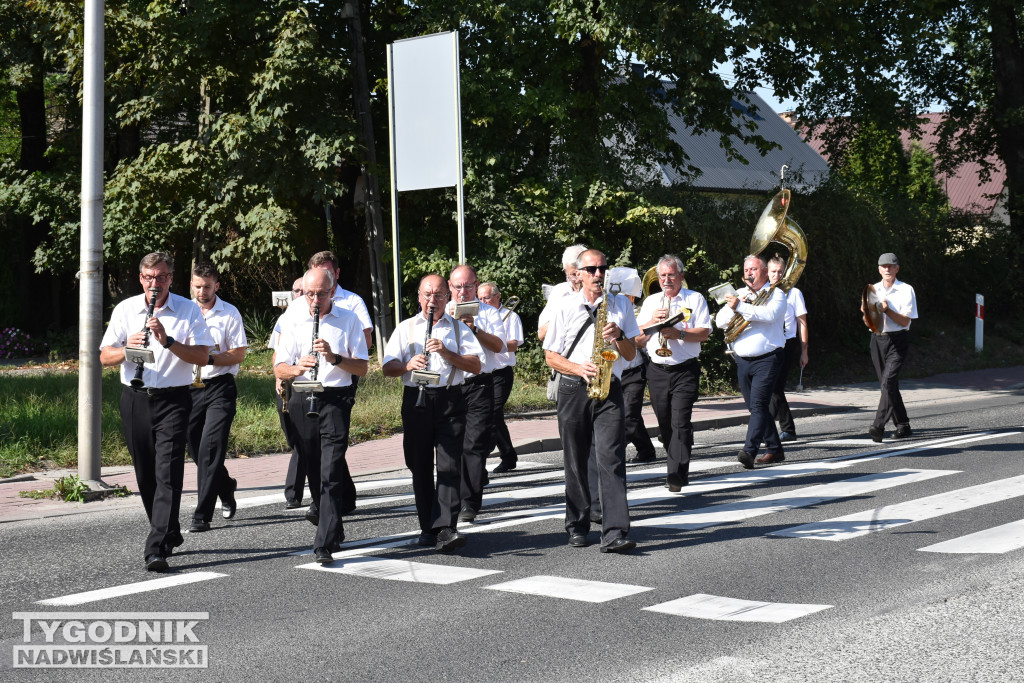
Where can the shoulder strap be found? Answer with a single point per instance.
(458, 350)
(579, 335)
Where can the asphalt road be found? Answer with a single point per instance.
(751, 576)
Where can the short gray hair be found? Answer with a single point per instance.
(672, 258)
(755, 257)
(155, 259)
(572, 254)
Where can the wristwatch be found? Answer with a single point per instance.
(209, 361)
(170, 342)
(337, 359)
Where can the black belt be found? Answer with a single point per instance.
(479, 379)
(762, 356)
(156, 391)
(894, 333)
(436, 390)
(685, 365)
(217, 380)
(340, 391)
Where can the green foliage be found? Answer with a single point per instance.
(71, 489)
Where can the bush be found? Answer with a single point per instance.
(17, 344)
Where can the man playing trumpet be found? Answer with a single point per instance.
(674, 374)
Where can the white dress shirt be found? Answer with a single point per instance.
(181, 319)
(764, 333)
(338, 327)
(410, 336)
(902, 299)
(225, 323)
(560, 293)
(700, 317)
(513, 326)
(342, 298)
(571, 316)
(488, 320)
(795, 307)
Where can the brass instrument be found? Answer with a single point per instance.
(197, 378)
(142, 355)
(663, 350)
(871, 307)
(510, 305)
(774, 226)
(604, 354)
(424, 377)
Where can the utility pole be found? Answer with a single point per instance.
(383, 323)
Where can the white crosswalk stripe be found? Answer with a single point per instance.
(402, 570)
(703, 606)
(131, 589)
(997, 540)
(569, 589)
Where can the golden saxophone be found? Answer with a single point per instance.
(604, 354)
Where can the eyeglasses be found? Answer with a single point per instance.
(593, 270)
(437, 296)
(297, 291)
(469, 285)
(164, 277)
(318, 295)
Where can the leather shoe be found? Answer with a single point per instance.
(426, 539)
(198, 526)
(504, 466)
(903, 431)
(619, 545)
(156, 563)
(746, 459)
(578, 540)
(313, 516)
(449, 539)
(787, 436)
(596, 518)
(876, 433)
(675, 483)
(292, 504)
(323, 555)
(638, 458)
(770, 458)
(228, 504)
(467, 514)
(348, 510)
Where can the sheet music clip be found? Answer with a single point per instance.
(427, 378)
(138, 355)
(305, 386)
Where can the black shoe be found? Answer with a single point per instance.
(675, 483)
(746, 459)
(449, 539)
(638, 458)
(596, 518)
(198, 526)
(504, 466)
(426, 539)
(292, 504)
(787, 436)
(323, 555)
(228, 504)
(349, 510)
(313, 516)
(578, 540)
(467, 514)
(876, 433)
(903, 431)
(486, 479)
(156, 563)
(173, 543)
(619, 545)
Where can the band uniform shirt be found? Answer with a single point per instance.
(795, 307)
(410, 336)
(225, 323)
(513, 330)
(342, 298)
(338, 327)
(488, 320)
(700, 316)
(764, 334)
(181, 318)
(571, 316)
(560, 293)
(902, 299)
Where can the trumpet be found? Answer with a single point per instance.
(197, 378)
(141, 355)
(663, 350)
(510, 305)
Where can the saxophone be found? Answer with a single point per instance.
(604, 354)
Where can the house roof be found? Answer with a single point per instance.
(806, 166)
(964, 188)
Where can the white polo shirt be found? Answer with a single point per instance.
(338, 327)
(700, 317)
(225, 323)
(902, 299)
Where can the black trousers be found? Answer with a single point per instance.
(757, 379)
(154, 429)
(888, 352)
(634, 381)
(583, 422)
(323, 442)
(479, 438)
(213, 410)
(779, 406)
(434, 431)
(503, 380)
(295, 478)
(674, 390)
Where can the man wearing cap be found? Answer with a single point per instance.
(898, 305)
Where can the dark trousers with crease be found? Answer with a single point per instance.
(479, 439)
(779, 406)
(434, 431)
(213, 411)
(888, 352)
(757, 379)
(154, 429)
(634, 381)
(503, 380)
(584, 422)
(295, 478)
(323, 442)
(674, 390)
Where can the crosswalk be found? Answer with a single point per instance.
(535, 495)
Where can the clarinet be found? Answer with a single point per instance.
(313, 410)
(137, 380)
(421, 399)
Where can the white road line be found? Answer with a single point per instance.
(703, 606)
(997, 540)
(726, 513)
(570, 589)
(131, 588)
(879, 519)
(401, 570)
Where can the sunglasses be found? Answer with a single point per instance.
(593, 270)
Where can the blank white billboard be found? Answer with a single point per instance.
(424, 83)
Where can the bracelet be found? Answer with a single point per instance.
(170, 342)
